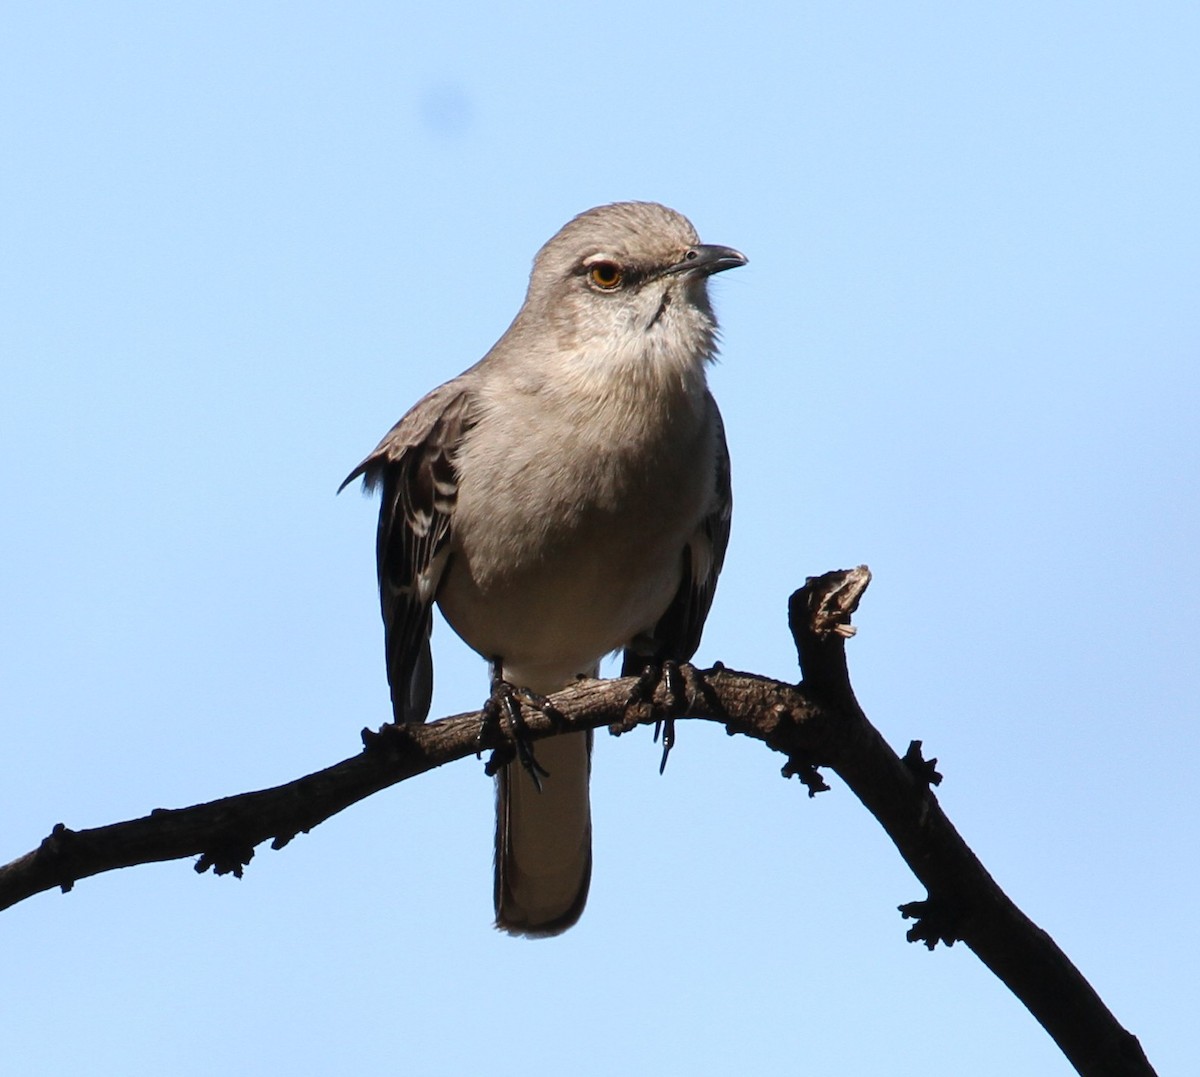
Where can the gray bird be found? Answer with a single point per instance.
(566, 497)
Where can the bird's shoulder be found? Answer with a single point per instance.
(434, 426)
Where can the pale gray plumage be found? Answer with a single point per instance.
(566, 497)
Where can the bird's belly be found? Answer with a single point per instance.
(559, 614)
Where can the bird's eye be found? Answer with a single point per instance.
(606, 276)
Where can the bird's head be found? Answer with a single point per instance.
(626, 284)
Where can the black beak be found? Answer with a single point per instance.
(705, 259)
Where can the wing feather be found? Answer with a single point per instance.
(413, 467)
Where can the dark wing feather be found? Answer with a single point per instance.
(677, 633)
(414, 468)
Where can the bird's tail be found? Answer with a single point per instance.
(544, 840)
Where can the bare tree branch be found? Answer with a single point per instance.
(815, 724)
(964, 902)
(223, 833)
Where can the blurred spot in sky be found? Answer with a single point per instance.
(446, 110)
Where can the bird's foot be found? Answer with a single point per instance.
(505, 702)
(645, 688)
(668, 674)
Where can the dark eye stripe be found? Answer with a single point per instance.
(628, 276)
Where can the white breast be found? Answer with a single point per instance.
(559, 557)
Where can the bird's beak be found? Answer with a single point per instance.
(705, 259)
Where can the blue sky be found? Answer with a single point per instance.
(239, 241)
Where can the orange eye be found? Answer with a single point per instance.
(606, 275)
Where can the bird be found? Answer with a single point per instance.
(565, 498)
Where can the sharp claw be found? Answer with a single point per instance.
(541, 703)
(668, 742)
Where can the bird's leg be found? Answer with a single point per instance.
(506, 699)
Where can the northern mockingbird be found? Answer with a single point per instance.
(565, 497)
